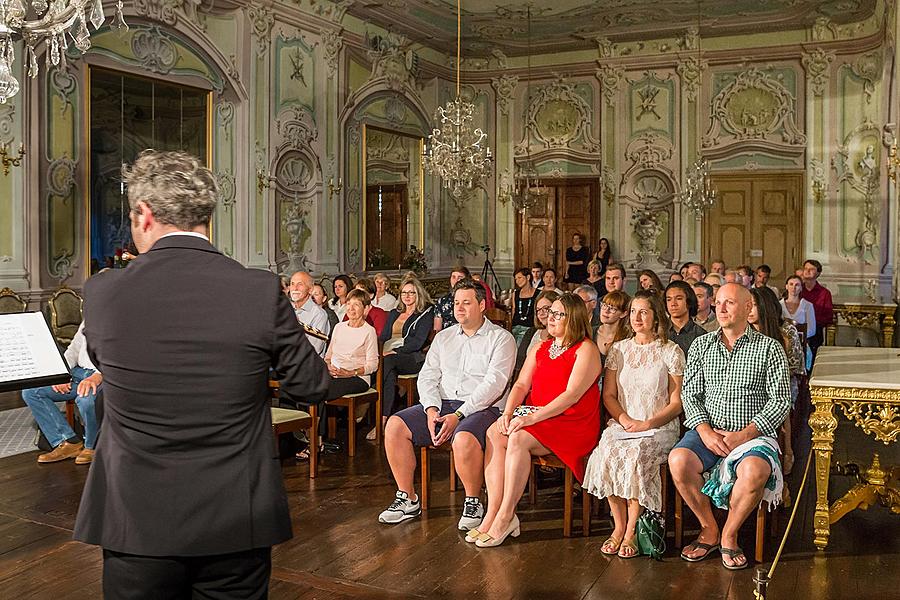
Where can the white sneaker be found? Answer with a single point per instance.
(473, 513)
(401, 509)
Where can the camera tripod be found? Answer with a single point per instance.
(488, 276)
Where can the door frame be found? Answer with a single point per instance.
(594, 224)
(744, 176)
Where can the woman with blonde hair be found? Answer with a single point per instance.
(405, 337)
(563, 417)
(641, 392)
(383, 299)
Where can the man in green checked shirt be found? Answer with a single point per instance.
(736, 389)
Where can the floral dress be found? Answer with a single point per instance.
(629, 468)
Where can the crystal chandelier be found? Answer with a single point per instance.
(457, 151)
(528, 191)
(698, 194)
(53, 22)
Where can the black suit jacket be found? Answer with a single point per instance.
(186, 464)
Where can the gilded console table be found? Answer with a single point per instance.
(863, 312)
(865, 384)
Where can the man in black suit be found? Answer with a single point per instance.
(185, 494)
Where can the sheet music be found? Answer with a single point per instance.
(27, 349)
(626, 435)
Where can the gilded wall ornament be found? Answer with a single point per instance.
(333, 10)
(297, 61)
(7, 115)
(605, 48)
(649, 151)
(647, 102)
(818, 179)
(823, 30)
(154, 51)
(610, 77)
(60, 176)
(816, 65)
(261, 20)
(63, 83)
(393, 61)
(61, 266)
(857, 164)
(227, 189)
(752, 107)
(691, 73)
(295, 173)
(608, 182)
(225, 117)
(504, 86)
(690, 41)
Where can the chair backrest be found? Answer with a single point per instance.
(11, 302)
(499, 316)
(65, 314)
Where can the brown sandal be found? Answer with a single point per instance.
(631, 545)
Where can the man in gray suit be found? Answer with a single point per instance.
(185, 493)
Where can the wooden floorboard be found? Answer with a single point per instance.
(340, 551)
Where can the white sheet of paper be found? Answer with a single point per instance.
(627, 435)
(27, 348)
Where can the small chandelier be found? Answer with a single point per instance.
(50, 21)
(528, 190)
(457, 151)
(698, 194)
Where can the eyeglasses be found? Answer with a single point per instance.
(608, 307)
(543, 310)
(556, 315)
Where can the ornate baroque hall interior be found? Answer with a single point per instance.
(752, 132)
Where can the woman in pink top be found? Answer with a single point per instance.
(352, 355)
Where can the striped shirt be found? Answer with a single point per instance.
(729, 389)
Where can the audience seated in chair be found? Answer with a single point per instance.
(320, 297)
(563, 417)
(706, 314)
(736, 394)
(538, 333)
(443, 306)
(766, 317)
(462, 388)
(383, 299)
(681, 305)
(352, 355)
(376, 317)
(341, 287)
(641, 392)
(86, 382)
(405, 337)
(613, 321)
(307, 310)
(522, 305)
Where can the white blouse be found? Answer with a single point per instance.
(805, 314)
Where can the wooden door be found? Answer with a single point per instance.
(386, 224)
(546, 230)
(538, 234)
(758, 220)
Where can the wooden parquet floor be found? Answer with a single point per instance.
(340, 551)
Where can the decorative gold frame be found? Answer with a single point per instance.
(85, 151)
(362, 209)
(9, 293)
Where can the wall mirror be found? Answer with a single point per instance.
(393, 206)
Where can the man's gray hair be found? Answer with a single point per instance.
(175, 186)
(590, 290)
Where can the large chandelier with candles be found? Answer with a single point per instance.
(698, 194)
(457, 151)
(53, 22)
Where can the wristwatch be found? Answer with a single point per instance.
(459, 415)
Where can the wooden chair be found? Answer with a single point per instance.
(552, 461)
(65, 314)
(293, 425)
(350, 402)
(499, 316)
(425, 469)
(409, 383)
(11, 302)
(286, 420)
(760, 527)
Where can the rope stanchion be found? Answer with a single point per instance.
(763, 576)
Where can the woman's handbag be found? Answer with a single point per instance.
(651, 534)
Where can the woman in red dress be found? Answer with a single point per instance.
(562, 417)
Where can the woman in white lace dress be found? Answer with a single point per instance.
(641, 393)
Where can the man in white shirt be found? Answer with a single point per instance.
(83, 389)
(307, 311)
(462, 389)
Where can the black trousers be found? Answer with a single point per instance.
(401, 363)
(239, 575)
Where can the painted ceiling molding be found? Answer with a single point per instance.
(567, 25)
(393, 61)
(753, 107)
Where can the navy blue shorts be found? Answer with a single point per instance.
(691, 441)
(477, 423)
